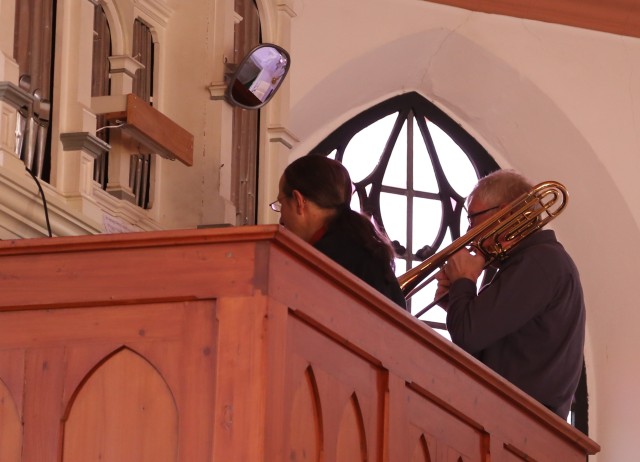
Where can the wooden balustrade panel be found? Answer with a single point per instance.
(343, 396)
(305, 424)
(448, 435)
(339, 391)
(114, 377)
(238, 345)
(124, 411)
(10, 427)
(409, 393)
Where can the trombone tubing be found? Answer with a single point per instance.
(494, 228)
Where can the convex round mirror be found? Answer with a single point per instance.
(258, 76)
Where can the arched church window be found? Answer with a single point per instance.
(412, 167)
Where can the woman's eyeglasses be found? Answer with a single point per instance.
(276, 206)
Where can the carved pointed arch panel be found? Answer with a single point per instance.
(10, 427)
(443, 431)
(306, 421)
(352, 442)
(421, 451)
(123, 411)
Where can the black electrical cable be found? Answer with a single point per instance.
(44, 200)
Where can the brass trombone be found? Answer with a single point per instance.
(494, 237)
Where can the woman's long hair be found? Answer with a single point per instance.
(326, 182)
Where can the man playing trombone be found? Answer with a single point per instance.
(528, 323)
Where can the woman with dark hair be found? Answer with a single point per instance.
(314, 203)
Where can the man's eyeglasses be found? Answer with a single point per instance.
(471, 216)
(276, 206)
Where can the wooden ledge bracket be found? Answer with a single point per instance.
(148, 126)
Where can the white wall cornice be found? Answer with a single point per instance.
(155, 10)
(282, 135)
(287, 6)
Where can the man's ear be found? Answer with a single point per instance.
(299, 200)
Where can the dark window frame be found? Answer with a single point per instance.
(410, 106)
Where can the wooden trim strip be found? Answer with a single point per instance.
(621, 17)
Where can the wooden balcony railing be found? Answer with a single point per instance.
(238, 344)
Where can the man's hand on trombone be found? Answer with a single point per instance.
(462, 264)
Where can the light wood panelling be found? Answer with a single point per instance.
(240, 344)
